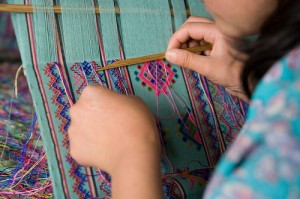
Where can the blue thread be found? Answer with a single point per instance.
(64, 114)
(119, 80)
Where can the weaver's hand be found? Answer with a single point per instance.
(118, 134)
(218, 65)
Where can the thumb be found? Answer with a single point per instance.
(201, 64)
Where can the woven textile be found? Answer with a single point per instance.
(61, 53)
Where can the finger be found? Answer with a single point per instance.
(185, 45)
(195, 31)
(71, 131)
(207, 52)
(195, 19)
(202, 42)
(73, 111)
(198, 19)
(89, 90)
(91, 93)
(193, 43)
(201, 64)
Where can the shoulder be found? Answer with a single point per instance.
(264, 161)
(280, 84)
(274, 114)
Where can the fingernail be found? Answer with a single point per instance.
(171, 55)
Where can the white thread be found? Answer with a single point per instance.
(16, 80)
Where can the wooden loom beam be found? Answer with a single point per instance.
(19, 8)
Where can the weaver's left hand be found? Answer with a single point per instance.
(109, 129)
(118, 134)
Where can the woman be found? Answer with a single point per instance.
(264, 161)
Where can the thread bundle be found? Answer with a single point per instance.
(23, 163)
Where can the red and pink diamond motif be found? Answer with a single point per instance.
(157, 75)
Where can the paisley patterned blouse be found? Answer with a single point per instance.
(264, 161)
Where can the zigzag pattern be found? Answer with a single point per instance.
(59, 99)
(78, 186)
(84, 74)
(119, 81)
(80, 81)
(230, 115)
(207, 119)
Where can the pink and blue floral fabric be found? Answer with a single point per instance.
(264, 161)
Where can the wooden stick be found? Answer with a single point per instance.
(147, 58)
(19, 8)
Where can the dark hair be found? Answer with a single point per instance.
(279, 34)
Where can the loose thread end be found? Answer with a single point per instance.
(16, 80)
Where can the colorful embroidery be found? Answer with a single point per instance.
(85, 74)
(157, 75)
(119, 79)
(230, 116)
(204, 115)
(189, 130)
(60, 99)
(200, 176)
(105, 182)
(172, 189)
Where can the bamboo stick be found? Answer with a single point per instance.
(147, 58)
(19, 8)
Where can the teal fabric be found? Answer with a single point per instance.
(264, 161)
(23, 39)
(194, 123)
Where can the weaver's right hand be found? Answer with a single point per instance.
(219, 65)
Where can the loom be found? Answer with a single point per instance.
(65, 43)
